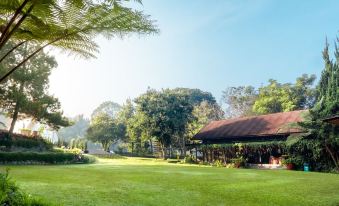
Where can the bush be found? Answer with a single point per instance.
(239, 162)
(10, 194)
(45, 158)
(6, 140)
(218, 163)
(189, 160)
(88, 159)
(39, 143)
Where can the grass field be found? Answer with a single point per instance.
(137, 181)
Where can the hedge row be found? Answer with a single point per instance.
(45, 158)
(16, 140)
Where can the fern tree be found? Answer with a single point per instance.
(70, 25)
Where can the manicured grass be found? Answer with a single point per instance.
(137, 181)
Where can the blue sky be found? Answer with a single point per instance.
(202, 44)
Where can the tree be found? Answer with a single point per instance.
(126, 112)
(68, 25)
(203, 114)
(304, 94)
(195, 96)
(137, 131)
(325, 136)
(110, 108)
(76, 130)
(277, 97)
(25, 93)
(126, 117)
(239, 100)
(105, 129)
(165, 115)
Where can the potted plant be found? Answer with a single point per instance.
(288, 162)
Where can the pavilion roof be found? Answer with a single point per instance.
(333, 120)
(276, 124)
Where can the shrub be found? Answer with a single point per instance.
(189, 160)
(39, 143)
(45, 157)
(22, 141)
(10, 194)
(239, 162)
(88, 159)
(218, 163)
(6, 140)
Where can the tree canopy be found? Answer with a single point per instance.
(25, 93)
(110, 108)
(322, 140)
(277, 97)
(70, 25)
(165, 115)
(104, 129)
(239, 100)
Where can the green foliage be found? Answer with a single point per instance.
(43, 158)
(239, 100)
(30, 143)
(25, 93)
(239, 162)
(189, 160)
(195, 96)
(321, 145)
(10, 194)
(6, 140)
(106, 130)
(277, 97)
(18, 141)
(78, 143)
(203, 113)
(272, 98)
(218, 163)
(70, 25)
(108, 108)
(165, 115)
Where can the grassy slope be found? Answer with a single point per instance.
(149, 182)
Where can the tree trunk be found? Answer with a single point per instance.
(163, 150)
(196, 153)
(15, 117)
(183, 146)
(334, 159)
(16, 111)
(151, 144)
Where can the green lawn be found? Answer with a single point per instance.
(149, 182)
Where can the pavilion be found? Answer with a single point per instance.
(268, 129)
(333, 120)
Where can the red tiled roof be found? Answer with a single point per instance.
(263, 125)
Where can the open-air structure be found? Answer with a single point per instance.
(333, 120)
(261, 138)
